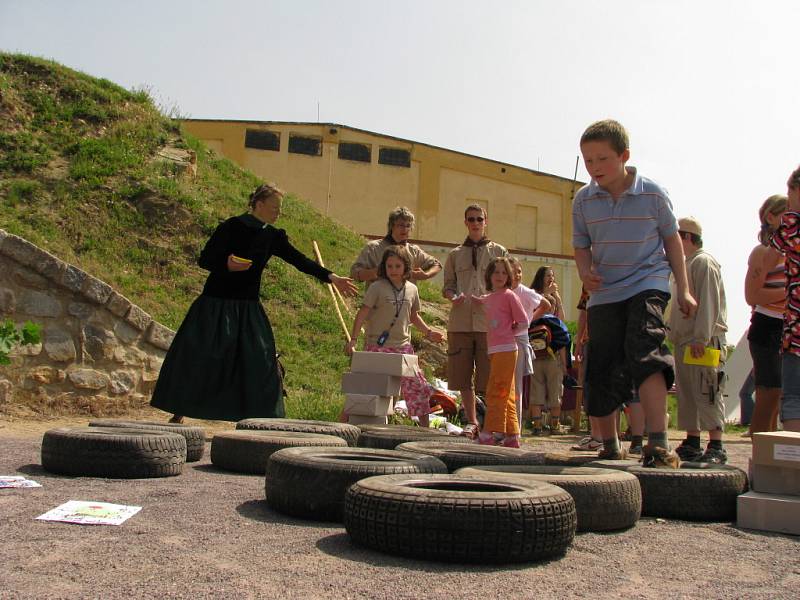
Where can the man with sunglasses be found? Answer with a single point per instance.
(464, 271)
(401, 222)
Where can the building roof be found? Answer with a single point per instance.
(383, 135)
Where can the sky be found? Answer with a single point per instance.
(708, 89)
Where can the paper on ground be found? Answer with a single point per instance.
(16, 481)
(90, 513)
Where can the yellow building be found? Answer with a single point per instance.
(356, 177)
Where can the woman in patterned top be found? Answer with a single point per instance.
(764, 290)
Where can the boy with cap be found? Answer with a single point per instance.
(700, 387)
(626, 242)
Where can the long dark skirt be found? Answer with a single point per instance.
(221, 364)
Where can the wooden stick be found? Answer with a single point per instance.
(335, 289)
(333, 295)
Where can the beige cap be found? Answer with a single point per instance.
(690, 225)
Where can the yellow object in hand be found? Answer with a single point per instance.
(710, 357)
(240, 260)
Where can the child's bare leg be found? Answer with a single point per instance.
(653, 396)
(424, 421)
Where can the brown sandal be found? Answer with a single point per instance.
(470, 431)
(176, 419)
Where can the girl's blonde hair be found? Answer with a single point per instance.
(493, 267)
(401, 253)
(774, 205)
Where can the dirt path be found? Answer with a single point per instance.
(207, 533)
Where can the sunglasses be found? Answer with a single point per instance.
(474, 219)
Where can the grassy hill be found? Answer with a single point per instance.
(81, 176)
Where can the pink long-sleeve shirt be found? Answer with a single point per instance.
(503, 309)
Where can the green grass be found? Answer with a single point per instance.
(79, 176)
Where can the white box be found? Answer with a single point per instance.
(769, 479)
(400, 365)
(777, 448)
(767, 512)
(373, 384)
(367, 405)
(366, 420)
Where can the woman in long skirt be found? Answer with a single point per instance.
(222, 363)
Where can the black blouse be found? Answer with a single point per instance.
(247, 237)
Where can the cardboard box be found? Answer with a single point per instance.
(766, 512)
(374, 384)
(400, 365)
(367, 405)
(769, 479)
(777, 448)
(366, 420)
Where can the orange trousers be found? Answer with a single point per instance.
(501, 404)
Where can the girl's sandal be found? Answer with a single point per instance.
(470, 431)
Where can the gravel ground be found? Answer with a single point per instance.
(208, 533)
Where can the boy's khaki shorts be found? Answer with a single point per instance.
(547, 383)
(466, 356)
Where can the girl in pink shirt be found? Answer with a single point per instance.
(504, 314)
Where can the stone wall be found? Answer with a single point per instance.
(99, 354)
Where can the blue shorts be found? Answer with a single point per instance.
(790, 401)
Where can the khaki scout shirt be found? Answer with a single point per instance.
(371, 255)
(461, 277)
(710, 320)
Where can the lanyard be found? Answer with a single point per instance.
(399, 299)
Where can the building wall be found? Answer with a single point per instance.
(529, 212)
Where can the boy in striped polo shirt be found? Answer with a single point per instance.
(626, 243)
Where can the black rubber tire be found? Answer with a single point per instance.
(695, 492)
(113, 452)
(388, 437)
(457, 456)
(567, 459)
(619, 465)
(248, 450)
(195, 436)
(706, 493)
(349, 433)
(605, 499)
(460, 519)
(310, 483)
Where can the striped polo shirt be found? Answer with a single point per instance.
(626, 237)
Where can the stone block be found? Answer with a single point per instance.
(138, 318)
(88, 379)
(81, 310)
(125, 333)
(95, 290)
(8, 301)
(6, 388)
(159, 335)
(73, 278)
(59, 345)
(122, 382)
(99, 342)
(52, 268)
(126, 355)
(27, 278)
(118, 304)
(39, 304)
(28, 350)
(46, 375)
(20, 250)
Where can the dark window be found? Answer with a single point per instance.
(351, 151)
(262, 140)
(394, 156)
(300, 144)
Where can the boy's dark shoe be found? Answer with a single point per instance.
(688, 453)
(715, 456)
(537, 430)
(635, 450)
(604, 454)
(659, 458)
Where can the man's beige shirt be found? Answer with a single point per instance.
(461, 277)
(371, 255)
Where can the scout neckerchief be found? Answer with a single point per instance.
(475, 245)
